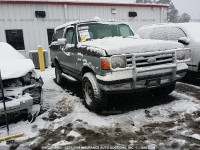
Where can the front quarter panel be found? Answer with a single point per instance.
(89, 57)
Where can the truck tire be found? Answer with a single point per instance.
(58, 73)
(163, 91)
(95, 98)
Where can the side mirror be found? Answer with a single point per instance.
(62, 41)
(184, 40)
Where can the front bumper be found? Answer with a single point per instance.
(17, 104)
(142, 79)
(20, 98)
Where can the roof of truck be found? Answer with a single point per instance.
(95, 20)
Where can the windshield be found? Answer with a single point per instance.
(99, 31)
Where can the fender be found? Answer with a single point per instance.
(87, 67)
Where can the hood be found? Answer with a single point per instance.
(16, 68)
(120, 45)
(7, 52)
(12, 63)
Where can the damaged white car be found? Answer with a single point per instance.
(22, 85)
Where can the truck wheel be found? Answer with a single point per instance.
(58, 73)
(164, 90)
(95, 98)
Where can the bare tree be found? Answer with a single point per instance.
(172, 14)
(185, 17)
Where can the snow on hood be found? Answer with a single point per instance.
(120, 45)
(12, 63)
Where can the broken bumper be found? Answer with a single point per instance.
(21, 103)
(140, 80)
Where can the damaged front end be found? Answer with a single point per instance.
(21, 94)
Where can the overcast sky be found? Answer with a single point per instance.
(192, 7)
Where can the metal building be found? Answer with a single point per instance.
(25, 24)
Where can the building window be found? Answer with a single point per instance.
(50, 33)
(15, 39)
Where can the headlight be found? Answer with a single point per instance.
(118, 62)
(184, 54)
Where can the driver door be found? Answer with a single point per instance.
(68, 58)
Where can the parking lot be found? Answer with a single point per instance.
(136, 121)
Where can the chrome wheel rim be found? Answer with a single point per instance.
(57, 75)
(88, 93)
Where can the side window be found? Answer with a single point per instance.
(174, 34)
(50, 33)
(159, 33)
(70, 36)
(124, 31)
(58, 34)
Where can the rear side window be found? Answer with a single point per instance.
(159, 34)
(174, 34)
(125, 31)
(169, 34)
(58, 34)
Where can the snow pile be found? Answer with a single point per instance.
(120, 45)
(74, 134)
(12, 63)
(60, 143)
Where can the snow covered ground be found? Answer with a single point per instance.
(132, 122)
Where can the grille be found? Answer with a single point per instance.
(129, 61)
(143, 60)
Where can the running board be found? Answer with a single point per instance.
(69, 77)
